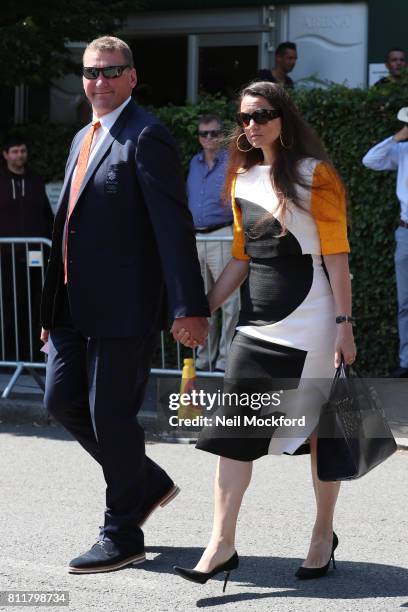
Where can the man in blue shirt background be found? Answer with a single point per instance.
(212, 217)
(392, 154)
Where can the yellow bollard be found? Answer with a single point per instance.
(188, 384)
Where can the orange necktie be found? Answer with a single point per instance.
(81, 167)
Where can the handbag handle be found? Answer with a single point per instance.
(342, 371)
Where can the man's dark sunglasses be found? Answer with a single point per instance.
(109, 72)
(260, 116)
(209, 133)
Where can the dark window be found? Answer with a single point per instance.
(226, 70)
(38, 104)
(161, 65)
(6, 107)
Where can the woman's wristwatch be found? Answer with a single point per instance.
(344, 319)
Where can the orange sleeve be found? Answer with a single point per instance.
(329, 209)
(238, 240)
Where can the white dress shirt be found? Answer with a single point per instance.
(107, 122)
(392, 155)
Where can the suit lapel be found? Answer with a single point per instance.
(66, 186)
(104, 148)
(106, 144)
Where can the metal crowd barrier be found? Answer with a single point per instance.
(175, 366)
(22, 270)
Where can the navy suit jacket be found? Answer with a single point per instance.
(132, 259)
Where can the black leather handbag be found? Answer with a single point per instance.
(353, 433)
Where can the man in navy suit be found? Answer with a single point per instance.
(123, 262)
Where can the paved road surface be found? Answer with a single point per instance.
(52, 502)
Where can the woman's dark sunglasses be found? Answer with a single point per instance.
(109, 72)
(260, 116)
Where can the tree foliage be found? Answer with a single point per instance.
(34, 35)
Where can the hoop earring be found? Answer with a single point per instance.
(239, 148)
(283, 144)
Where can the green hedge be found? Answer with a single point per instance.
(349, 122)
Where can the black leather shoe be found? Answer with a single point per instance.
(104, 556)
(161, 499)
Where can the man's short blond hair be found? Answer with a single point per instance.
(110, 44)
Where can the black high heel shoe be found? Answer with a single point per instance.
(305, 573)
(202, 577)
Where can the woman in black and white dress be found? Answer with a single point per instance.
(290, 252)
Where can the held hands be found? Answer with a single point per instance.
(190, 331)
(402, 134)
(344, 345)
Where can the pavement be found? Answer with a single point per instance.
(52, 500)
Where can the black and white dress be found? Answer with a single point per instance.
(286, 327)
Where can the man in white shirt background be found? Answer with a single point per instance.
(392, 154)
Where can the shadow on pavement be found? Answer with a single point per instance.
(351, 579)
(52, 432)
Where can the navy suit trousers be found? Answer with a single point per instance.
(95, 388)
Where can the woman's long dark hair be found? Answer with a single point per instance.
(299, 142)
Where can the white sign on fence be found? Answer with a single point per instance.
(35, 259)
